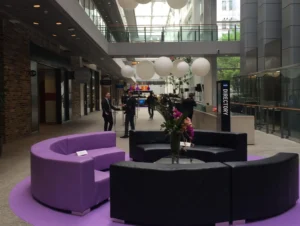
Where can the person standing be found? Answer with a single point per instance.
(188, 106)
(151, 103)
(130, 113)
(107, 113)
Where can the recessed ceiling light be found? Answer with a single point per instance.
(36, 6)
(73, 35)
(36, 23)
(54, 35)
(71, 29)
(58, 23)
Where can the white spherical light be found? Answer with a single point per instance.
(183, 68)
(127, 71)
(201, 67)
(174, 70)
(143, 1)
(145, 70)
(128, 4)
(177, 4)
(163, 66)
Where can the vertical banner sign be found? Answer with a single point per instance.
(223, 106)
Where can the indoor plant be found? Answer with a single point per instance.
(179, 128)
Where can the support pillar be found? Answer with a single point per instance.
(248, 36)
(290, 32)
(269, 34)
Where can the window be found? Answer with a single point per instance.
(81, 2)
(224, 26)
(230, 5)
(224, 5)
(92, 8)
(87, 6)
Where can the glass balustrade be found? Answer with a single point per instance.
(185, 33)
(170, 33)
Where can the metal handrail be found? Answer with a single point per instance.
(269, 117)
(267, 106)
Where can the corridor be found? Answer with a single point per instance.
(15, 163)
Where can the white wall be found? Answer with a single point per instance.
(158, 89)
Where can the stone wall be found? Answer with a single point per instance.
(17, 81)
(75, 100)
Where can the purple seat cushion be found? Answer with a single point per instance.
(100, 176)
(60, 146)
(102, 192)
(104, 157)
(91, 141)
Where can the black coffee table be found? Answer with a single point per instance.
(182, 161)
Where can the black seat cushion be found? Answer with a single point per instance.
(170, 195)
(264, 188)
(210, 153)
(153, 152)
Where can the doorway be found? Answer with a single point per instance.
(47, 93)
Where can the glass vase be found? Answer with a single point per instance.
(175, 147)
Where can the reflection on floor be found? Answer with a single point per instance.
(15, 163)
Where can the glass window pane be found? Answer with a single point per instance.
(87, 6)
(223, 5)
(81, 2)
(92, 9)
(143, 21)
(96, 17)
(230, 5)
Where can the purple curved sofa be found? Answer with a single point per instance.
(62, 180)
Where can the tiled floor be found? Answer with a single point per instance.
(15, 163)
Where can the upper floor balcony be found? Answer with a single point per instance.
(173, 33)
(182, 40)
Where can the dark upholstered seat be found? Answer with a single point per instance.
(181, 195)
(153, 152)
(150, 146)
(209, 153)
(264, 188)
(204, 194)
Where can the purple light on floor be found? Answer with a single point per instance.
(25, 207)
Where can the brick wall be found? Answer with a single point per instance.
(75, 100)
(17, 81)
(15, 115)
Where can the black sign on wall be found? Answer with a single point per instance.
(223, 106)
(105, 82)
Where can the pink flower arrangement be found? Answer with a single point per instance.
(186, 126)
(176, 114)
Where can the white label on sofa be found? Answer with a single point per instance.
(81, 153)
(185, 144)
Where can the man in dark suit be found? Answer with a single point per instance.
(151, 104)
(130, 113)
(107, 113)
(188, 105)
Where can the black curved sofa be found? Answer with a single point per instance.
(264, 188)
(157, 194)
(203, 194)
(149, 146)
